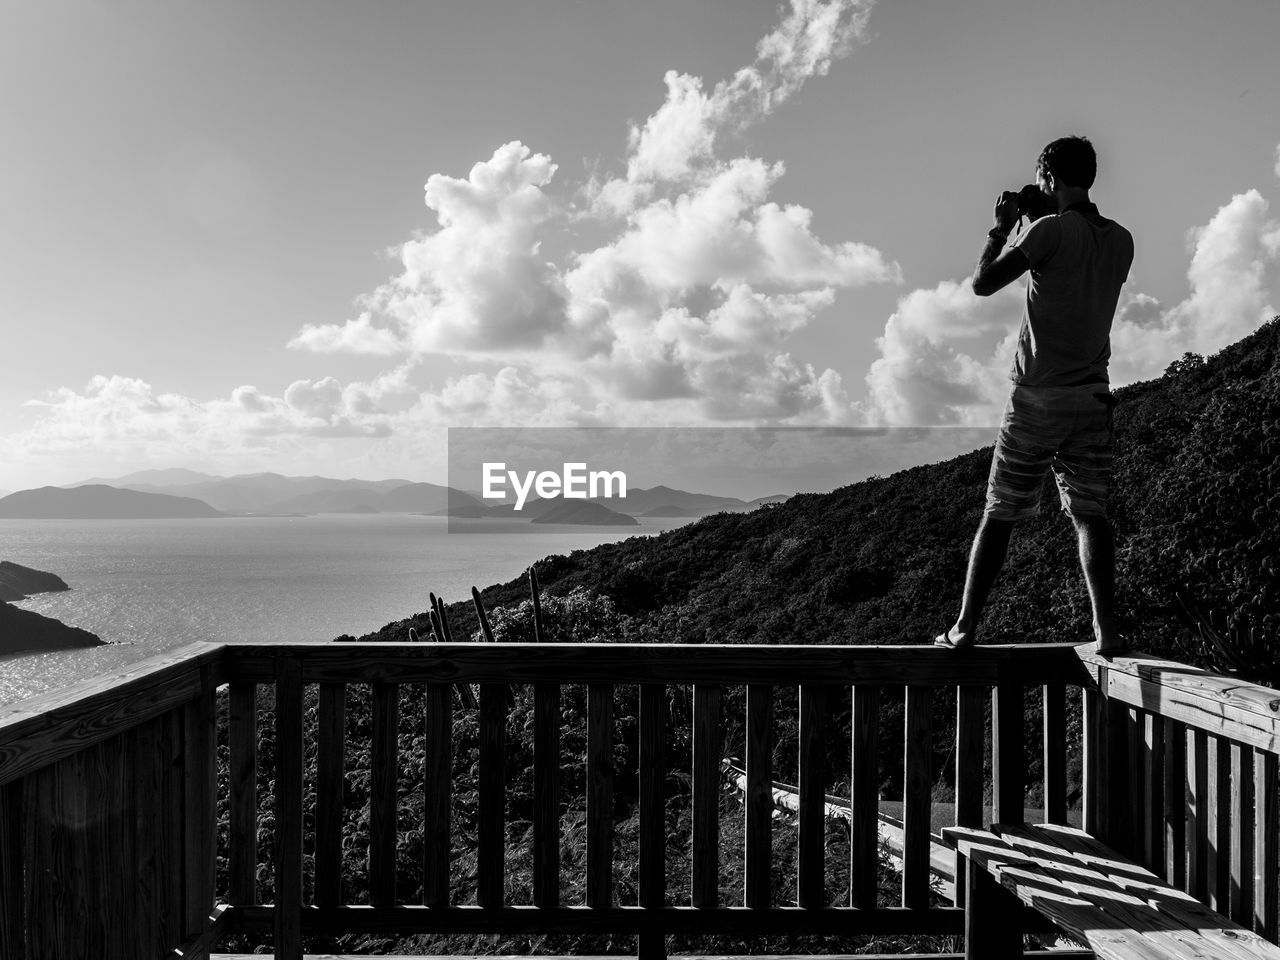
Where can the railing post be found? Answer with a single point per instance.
(492, 789)
(811, 780)
(383, 756)
(1007, 762)
(1266, 842)
(758, 846)
(917, 784)
(707, 749)
(1055, 753)
(546, 795)
(970, 740)
(651, 944)
(243, 770)
(331, 740)
(437, 789)
(12, 883)
(289, 760)
(200, 790)
(864, 792)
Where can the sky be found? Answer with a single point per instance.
(308, 237)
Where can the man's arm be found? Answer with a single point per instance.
(995, 271)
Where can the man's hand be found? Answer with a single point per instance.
(1006, 211)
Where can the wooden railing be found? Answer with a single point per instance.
(109, 792)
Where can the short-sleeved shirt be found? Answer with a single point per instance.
(1079, 260)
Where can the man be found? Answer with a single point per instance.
(1059, 412)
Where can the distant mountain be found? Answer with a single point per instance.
(639, 501)
(585, 512)
(169, 477)
(18, 582)
(99, 502)
(667, 510)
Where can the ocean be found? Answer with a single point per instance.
(147, 586)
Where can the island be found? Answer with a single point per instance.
(97, 501)
(27, 631)
(585, 512)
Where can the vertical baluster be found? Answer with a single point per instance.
(916, 798)
(1055, 753)
(200, 779)
(331, 747)
(1007, 762)
(438, 789)
(707, 751)
(72, 817)
(1266, 843)
(970, 739)
(1198, 815)
(1090, 731)
(600, 777)
(1175, 806)
(243, 776)
(289, 758)
(492, 787)
(1241, 892)
(1153, 795)
(864, 834)
(170, 918)
(1115, 777)
(382, 795)
(758, 846)
(811, 847)
(1134, 772)
(546, 794)
(651, 944)
(12, 887)
(1220, 824)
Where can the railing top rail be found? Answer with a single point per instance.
(1226, 706)
(43, 729)
(659, 663)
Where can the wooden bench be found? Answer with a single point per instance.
(1116, 908)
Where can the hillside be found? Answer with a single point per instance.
(99, 502)
(1195, 506)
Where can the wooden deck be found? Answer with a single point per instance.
(110, 795)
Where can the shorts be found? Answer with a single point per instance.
(1066, 429)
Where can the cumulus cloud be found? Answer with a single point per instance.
(685, 302)
(128, 419)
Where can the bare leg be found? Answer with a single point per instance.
(990, 544)
(1098, 561)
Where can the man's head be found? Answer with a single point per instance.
(1067, 162)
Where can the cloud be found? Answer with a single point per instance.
(125, 419)
(684, 298)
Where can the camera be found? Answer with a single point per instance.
(1032, 202)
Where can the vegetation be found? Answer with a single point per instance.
(1196, 505)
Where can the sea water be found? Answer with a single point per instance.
(147, 586)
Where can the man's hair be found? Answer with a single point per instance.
(1071, 160)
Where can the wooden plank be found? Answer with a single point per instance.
(288, 852)
(600, 778)
(971, 738)
(73, 816)
(122, 901)
(1175, 805)
(39, 731)
(546, 794)
(1116, 826)
(623, 921)
(12, 882)
(1008, 788)
(46, 867)
(1091, 747)
(383, 766)
(1241, 887)
(864, 838)
(242, 775)
(1266, 843)
(331, 752)
(1153, 794)
(664, 663)
(1134, 769)
(1198, 814)
(812, 783)
(1218, 825)
(1219, 705)
(916, 798)
(653, 840)
(758, 804)
(170, 867)
(1055, 752)
(707, 753)
(492, 788)
(437, 795)
(200, 778)
(108, 849)
(987, 932)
